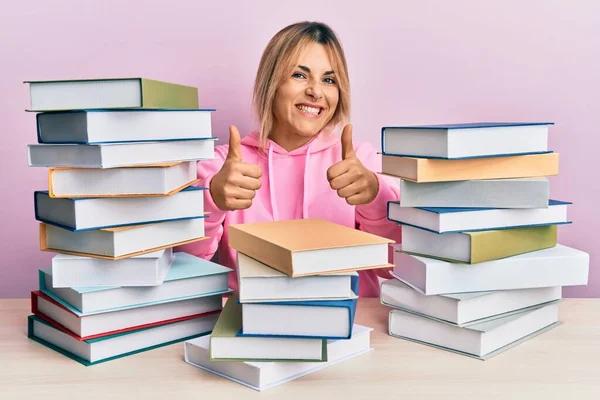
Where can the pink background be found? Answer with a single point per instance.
(410, 62)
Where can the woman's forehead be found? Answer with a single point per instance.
(314, 56)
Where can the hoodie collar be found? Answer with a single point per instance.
(319, 142)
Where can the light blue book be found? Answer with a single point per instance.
(189, 277)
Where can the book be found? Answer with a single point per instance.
(109, 93)
(557, 266)
(82, 214)
(453, 141)
(144, 270)
(258, 282)
(325, 319)
(113, 155)
(309, 246)
(122, 242)
(264, 375)
(111, 322)
(141, 181)
(489, 193)
(189, 277)
(116, 126)
(107, 348)
(477, 247)
(481, 341)
(225, 345)
(465, 309)
(436, 170)
(446, 220)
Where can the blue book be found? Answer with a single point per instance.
(189, 277)
(327, 319)
(81, 214)
(470, 140)
(450, 220)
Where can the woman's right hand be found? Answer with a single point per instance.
(235, 185)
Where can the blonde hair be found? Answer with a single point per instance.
(277, 61)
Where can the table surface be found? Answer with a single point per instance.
(564, 362)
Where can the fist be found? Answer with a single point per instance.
(349, 177)
(235, 185)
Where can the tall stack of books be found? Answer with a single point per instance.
(294, 311)
(122, 159)
(479, 269)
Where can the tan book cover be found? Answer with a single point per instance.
(441, 170)
(276, 244)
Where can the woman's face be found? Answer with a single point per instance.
(307, 98)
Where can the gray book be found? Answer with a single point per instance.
(493, 193)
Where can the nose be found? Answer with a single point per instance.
(314, 90)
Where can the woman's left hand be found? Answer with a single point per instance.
(349, 177)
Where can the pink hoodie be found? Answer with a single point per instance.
(294, 185)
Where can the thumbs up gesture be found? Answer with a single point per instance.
(349, 177)
(235, 185)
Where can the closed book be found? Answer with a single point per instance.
(109, 93)
(477, 247)
(465, 309)
(557, 266)
(111, 322)
(137, 181)
(225, 345)
(490, 193)
(93, 351)
(110, 126)
(454, 141)
(264, 375)
(481, 341)
(113, 155)
(445, 219)
(80, 214)
(189, 277)
(258, 282)
(144, 270)
(122, 242)
(436, 170)
(305, 247)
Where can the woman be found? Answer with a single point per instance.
(295, 166)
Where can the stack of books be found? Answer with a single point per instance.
(294, 311)
(479, 269)
(121, 157)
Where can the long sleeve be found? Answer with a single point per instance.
(213, 225)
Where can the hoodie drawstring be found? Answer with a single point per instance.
(272, 185)
(305, 194)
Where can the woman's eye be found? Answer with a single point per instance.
(329, 80)
(297, 75)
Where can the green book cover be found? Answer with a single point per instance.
(229, 325)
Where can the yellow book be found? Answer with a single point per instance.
(476, 247)
(442, 170)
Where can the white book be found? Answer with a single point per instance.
(490, 193)
(444, 220)
(258, 282)
(189, 277)
(113, 321)
(112, 155)
(90, 352)
(482, 340)
(144, 270)
(264, 375)
(123, 242)
(139, 125)
(109, 212)
(146, 180)
(466, 140)
(556, 266)
(464, 309)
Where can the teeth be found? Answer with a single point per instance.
(311, 110)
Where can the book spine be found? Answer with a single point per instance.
(157, 94)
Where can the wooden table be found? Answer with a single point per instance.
(563, 363)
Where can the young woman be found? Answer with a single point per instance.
(296, 166)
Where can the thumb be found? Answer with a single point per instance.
(347, 146)
(235, 147)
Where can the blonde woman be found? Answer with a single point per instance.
(295, 166)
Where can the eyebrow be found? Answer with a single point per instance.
(305, 68)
